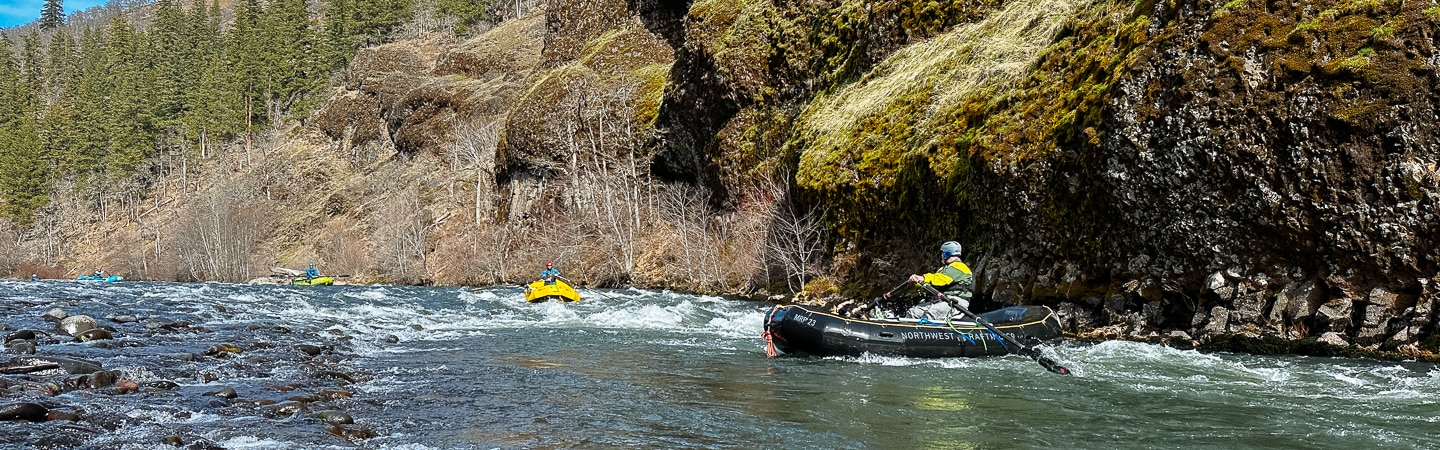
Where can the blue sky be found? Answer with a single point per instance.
(20, 12)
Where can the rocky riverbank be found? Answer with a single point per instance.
(69, 380)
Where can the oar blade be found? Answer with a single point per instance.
(1052, 365)
(1047, 362)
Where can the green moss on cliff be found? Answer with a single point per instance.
(652, 90)
(1029, 79)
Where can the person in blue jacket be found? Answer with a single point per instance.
(311, 272)
(550, 273)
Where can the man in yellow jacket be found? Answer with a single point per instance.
(953, 279)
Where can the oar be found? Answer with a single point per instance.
(875, 302)
(1045, 361)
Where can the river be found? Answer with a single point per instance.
(450, 367)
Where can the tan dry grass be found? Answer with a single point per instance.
(992, 53)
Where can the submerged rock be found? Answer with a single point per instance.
(54, 315)
(22, 347)
(20, 335)
(94, 335)
(30, 412)
(334, 417)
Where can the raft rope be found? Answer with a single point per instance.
(961, 333)
(770, 350)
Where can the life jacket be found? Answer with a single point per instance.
(953, 279)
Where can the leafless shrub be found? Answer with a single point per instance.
(11, 253)
(796, 241)
(743, 234)
(50, 236)
(686, 208)
(474, 149)
(491, 251)
(609, 185)
(344, 254)
(220, 233)
(402, 238)
(567, 239)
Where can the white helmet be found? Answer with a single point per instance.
(948, 249)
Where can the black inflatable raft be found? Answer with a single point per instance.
(801, 330)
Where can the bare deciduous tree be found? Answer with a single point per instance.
(474, 148)
(220, 234)
(610, 185)
(796, 241)
(403, 238)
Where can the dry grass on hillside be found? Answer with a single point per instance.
(920, 83)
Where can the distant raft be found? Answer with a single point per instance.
(317, 281)
(539, 291)
(110, 278)
(802, 330)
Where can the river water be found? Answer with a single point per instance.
(442, 368)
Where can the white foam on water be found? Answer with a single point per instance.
(413, 447)
(159, 416)
(900, 361)
(252, 442)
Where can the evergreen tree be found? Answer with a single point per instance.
(52, 15)
(466, 12)
(351, 24)
(62, 68)
(91, 99)
(211, 113)
(289, 56)
(23, 177)
(129, 114)
(58, 123)
(32, 65)
(173, 59)
(11, 88)
(245, 58)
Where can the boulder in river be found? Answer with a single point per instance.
(75, 325)
(94, 334)
(223, 349)
(352, 434)
(30, 412)
(54, 315)
(312, 350)
(69, 365)
(20, 335)
(285, 409)
(224, 392)
(20, 346)
(334, 417)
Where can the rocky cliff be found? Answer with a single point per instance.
(1161, 170)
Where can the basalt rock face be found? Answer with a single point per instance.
(1186, 171)
(1265, 170)
(411, 94)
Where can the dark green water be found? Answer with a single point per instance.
(479, 368)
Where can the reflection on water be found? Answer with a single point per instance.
(480, 368)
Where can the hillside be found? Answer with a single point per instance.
(1186, 173)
